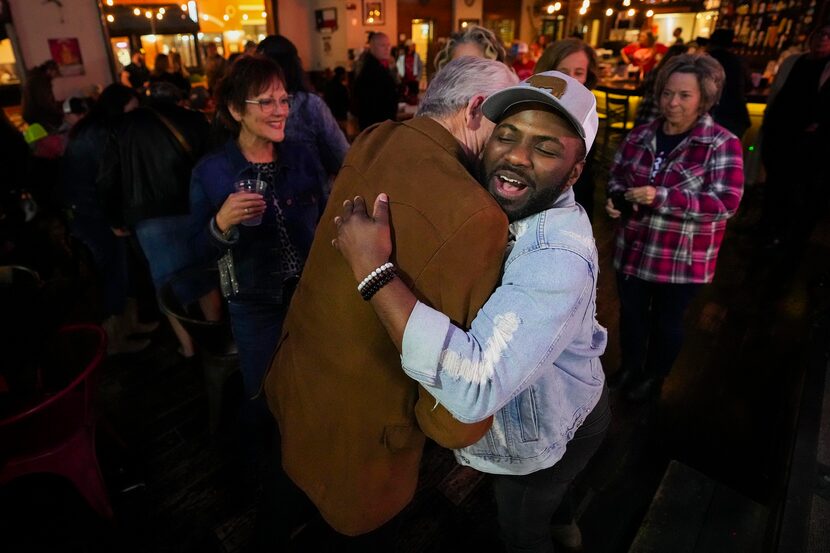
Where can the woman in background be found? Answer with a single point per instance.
(475, 41)
(673, 185)
(310, 121)
(88, 222)
(576, 59)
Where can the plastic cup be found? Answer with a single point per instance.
(256, 186)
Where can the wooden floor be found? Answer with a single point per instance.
(727, 411)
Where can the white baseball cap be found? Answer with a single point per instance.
(557, 90)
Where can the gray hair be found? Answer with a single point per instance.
(459, 81)
(486, 39)
(709, 73)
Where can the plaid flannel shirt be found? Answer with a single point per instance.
(676, 239)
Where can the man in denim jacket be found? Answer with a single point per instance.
(531, 357)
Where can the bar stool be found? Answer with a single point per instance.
(213, 339)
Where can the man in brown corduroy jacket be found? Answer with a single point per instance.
(352, 424)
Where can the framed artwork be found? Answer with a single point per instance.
(373, 12)
(67, 53)
(326, 19)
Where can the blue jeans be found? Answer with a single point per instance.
(256, 329)
(164, 242)
(109, 253)
(527, 504)
(651, 323)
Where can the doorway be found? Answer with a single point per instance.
(422, 35)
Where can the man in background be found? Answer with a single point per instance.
(375, 91)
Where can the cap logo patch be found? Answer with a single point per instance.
(554, 85)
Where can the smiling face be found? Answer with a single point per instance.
(264, 123)
(575, 65)
(532, 157)
(680, 100)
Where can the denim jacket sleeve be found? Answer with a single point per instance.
(204, 235)
(519, 333)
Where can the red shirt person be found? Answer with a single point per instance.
(645, 53)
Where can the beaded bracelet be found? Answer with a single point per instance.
(376, 280)
(373, 275)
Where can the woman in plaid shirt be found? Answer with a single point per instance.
(674, 182)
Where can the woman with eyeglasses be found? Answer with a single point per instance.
(260, 235)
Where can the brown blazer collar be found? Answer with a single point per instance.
(441, 136)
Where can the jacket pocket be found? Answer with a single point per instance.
(528, 419)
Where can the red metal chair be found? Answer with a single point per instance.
(57, 434)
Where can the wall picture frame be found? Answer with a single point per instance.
(374, 12)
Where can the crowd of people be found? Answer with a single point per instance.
(434, 278)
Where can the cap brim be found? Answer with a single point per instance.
(496, 105)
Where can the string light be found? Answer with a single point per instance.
(162, 11)
(110, 2)
(110, 18)
(649, 13)
(184, 7)
(245, 16)
(609, 12)
(557, 6)
(582, 11)
(264, 15)
(137, 11)
(631, 12)
(148, 14)
(226, 17)
(550, 9)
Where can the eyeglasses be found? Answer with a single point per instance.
(269, 105)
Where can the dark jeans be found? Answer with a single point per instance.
(110, 254)
(651, 323)
(256, 329)
(527, 504)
